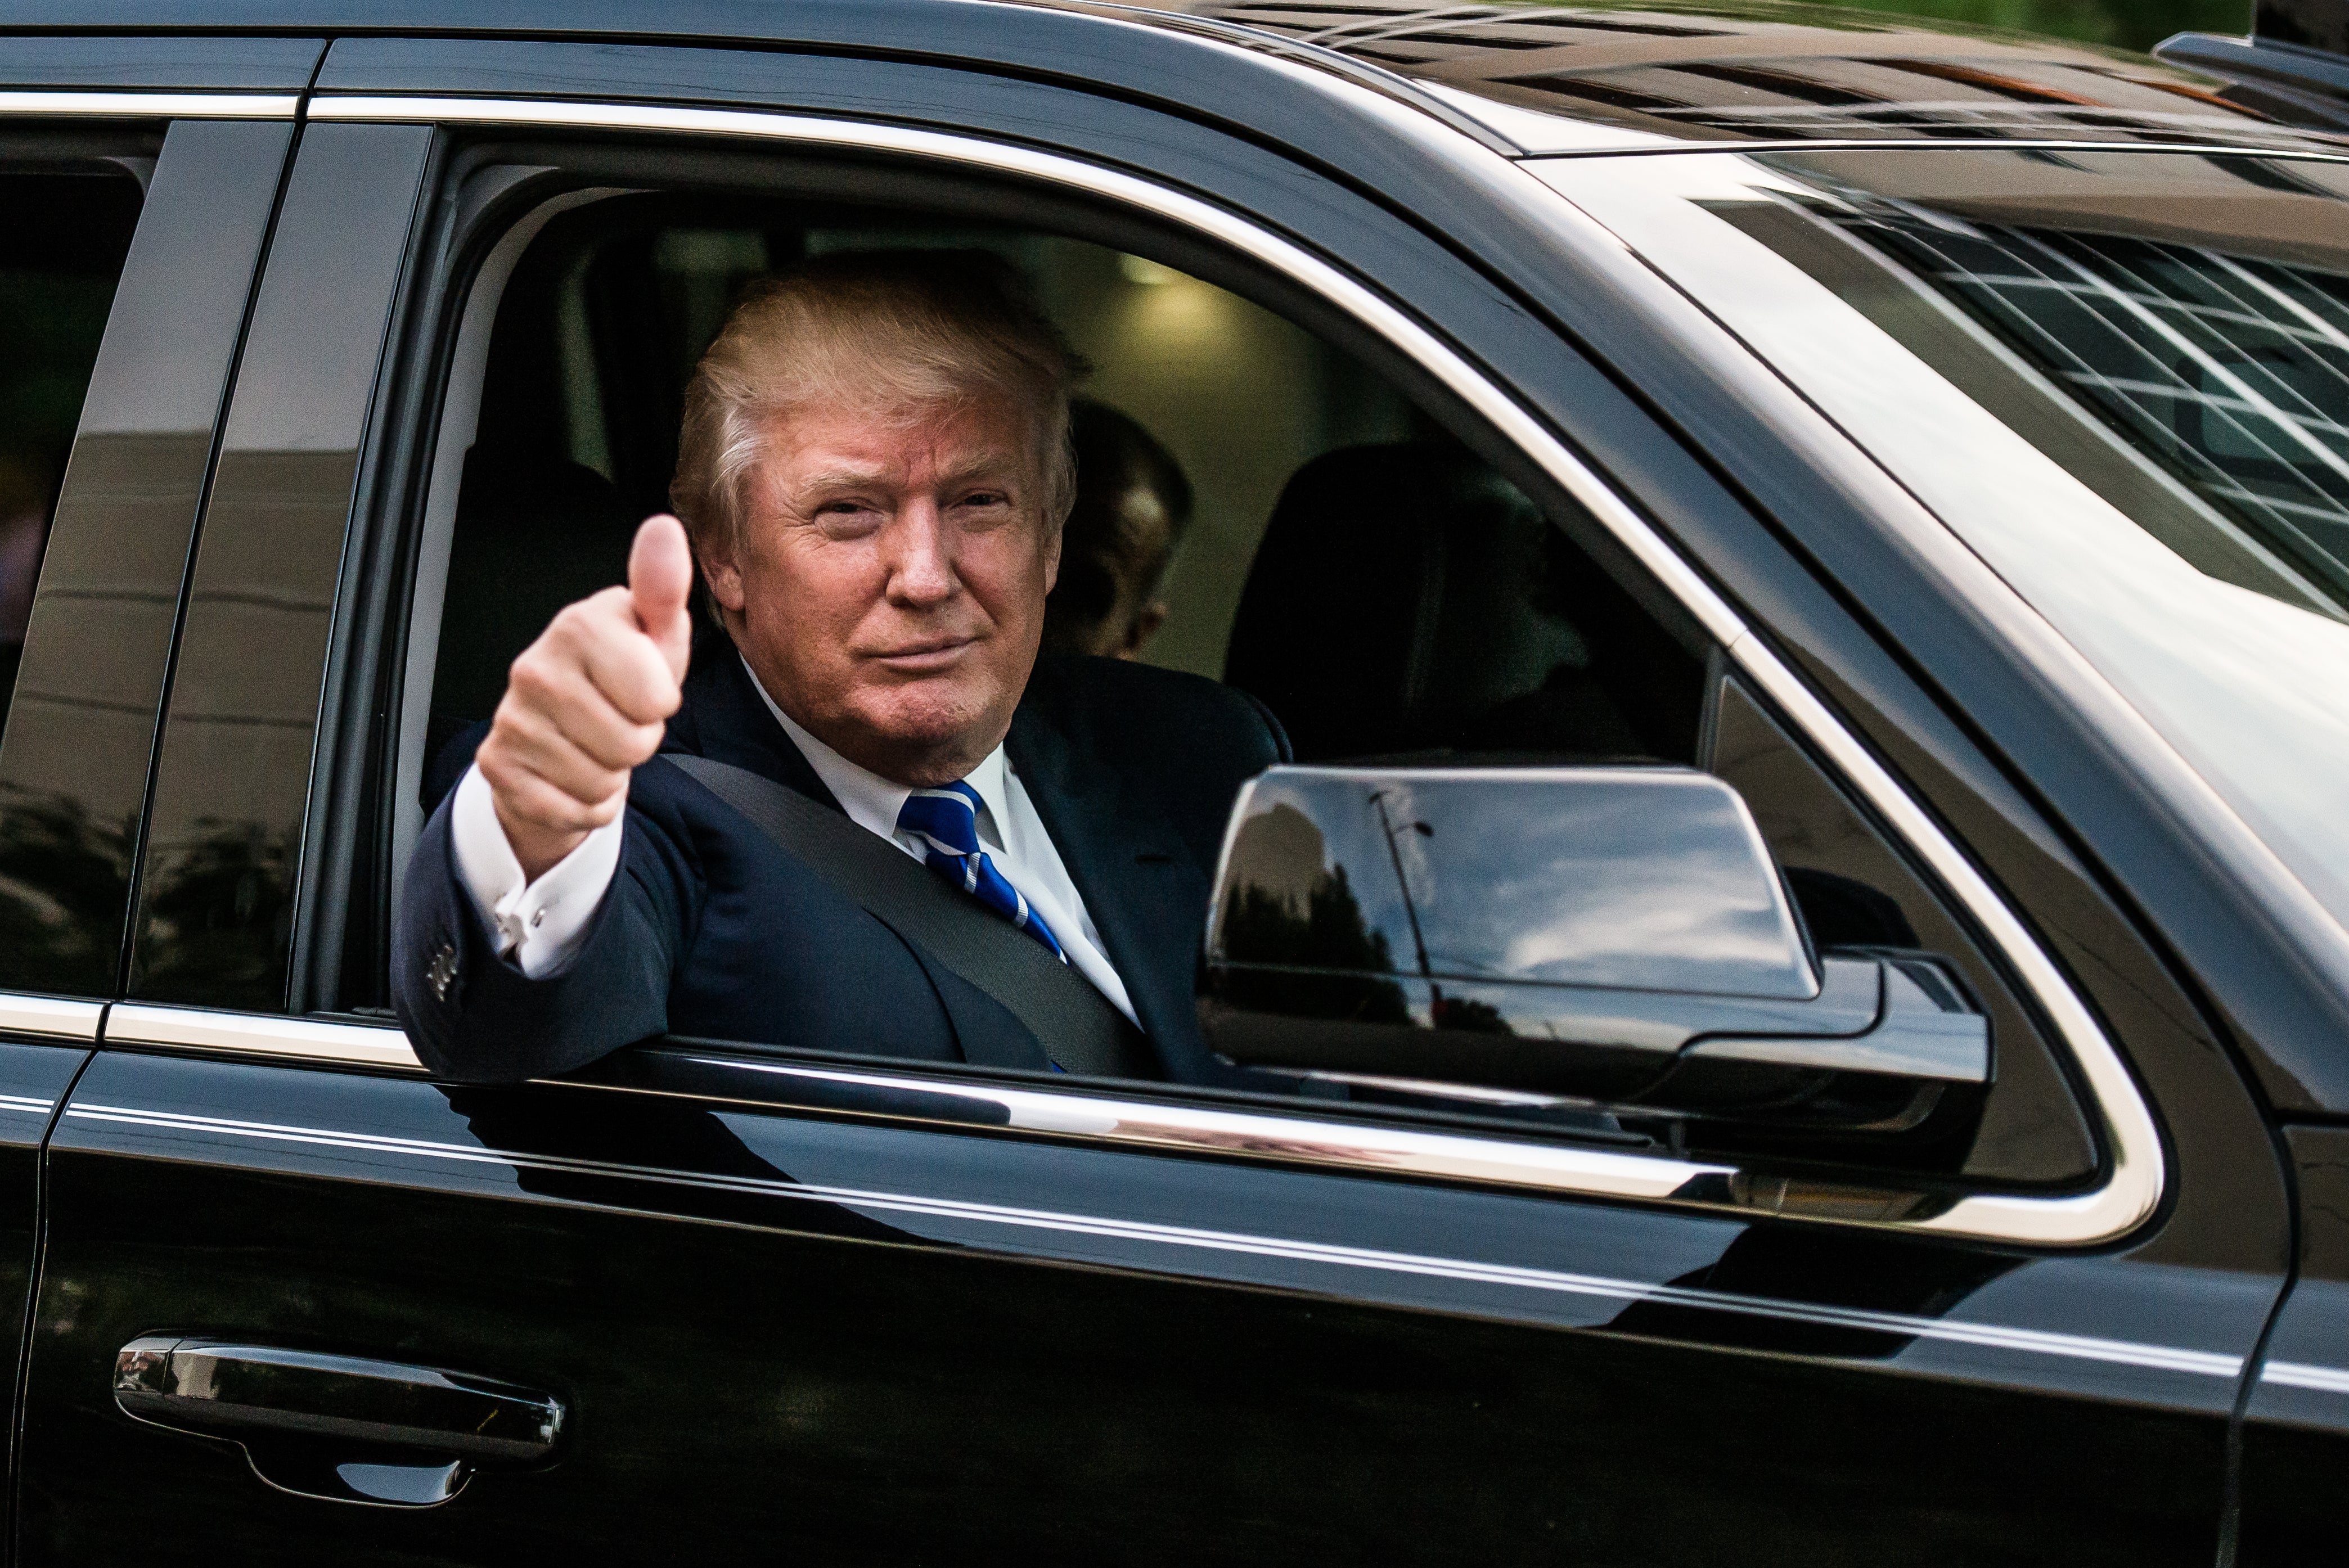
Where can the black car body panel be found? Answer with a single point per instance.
(860, 1313)
(845, 1339)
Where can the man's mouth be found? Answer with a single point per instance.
(930, 653)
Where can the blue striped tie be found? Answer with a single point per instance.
(946, 822)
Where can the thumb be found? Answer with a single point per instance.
(660, 575)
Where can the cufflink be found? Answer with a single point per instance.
(442, 972)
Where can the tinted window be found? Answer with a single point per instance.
(63, 240)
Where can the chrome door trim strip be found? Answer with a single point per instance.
(2301, 1375)
(153, 105)
(1303, 1140)
(26, 1105)
(258, 1035)
(2134, 1181)
(1998, 1337)
(52, 1017)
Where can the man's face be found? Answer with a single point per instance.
(888, 587)
(1144, 534)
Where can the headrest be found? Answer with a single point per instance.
(534, 531)
(1402, 597)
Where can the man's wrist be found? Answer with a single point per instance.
(538, 848)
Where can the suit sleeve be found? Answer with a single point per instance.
(474, 1016)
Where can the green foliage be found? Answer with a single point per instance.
(2121, 23)
(63, 878)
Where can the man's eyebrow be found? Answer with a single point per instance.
(840, 479)
(986, 465)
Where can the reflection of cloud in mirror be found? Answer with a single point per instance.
(1652, 879)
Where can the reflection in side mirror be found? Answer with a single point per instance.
(1609, 935)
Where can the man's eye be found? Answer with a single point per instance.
(846, 516)
(987, 498)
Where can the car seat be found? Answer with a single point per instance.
(1407, 598)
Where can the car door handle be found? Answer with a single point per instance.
(340, 1427)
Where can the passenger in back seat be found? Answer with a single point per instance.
(1133, 505)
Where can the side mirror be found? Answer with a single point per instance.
(1617, 936)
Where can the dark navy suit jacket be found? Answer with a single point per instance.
(710, 929)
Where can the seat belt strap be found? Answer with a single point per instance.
(1078, 1028)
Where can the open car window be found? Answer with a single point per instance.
(1394, 596)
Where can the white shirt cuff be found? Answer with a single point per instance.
(539, 925)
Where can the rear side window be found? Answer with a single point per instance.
(63, 241)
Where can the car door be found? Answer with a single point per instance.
(713, 1299)
(2296, 1422)
(132, 234)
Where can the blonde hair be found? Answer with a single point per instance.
(896, 334)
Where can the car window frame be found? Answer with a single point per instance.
(2131, 1183)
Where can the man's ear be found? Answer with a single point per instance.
(725, 579)
(1052, 554)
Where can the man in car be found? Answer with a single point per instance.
(872, 475)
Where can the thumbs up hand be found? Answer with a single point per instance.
(586, 703)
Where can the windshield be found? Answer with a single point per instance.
(2122, 378)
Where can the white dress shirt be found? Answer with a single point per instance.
(540, 923)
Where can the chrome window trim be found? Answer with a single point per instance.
(50, 1017)
(260, 1034)
(2135, 1176)
(155, 105)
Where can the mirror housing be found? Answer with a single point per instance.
(1614, 936)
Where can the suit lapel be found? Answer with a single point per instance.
(1147, 897)
(725, 719)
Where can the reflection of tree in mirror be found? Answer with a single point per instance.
(1284, 908)
(63, 879)
(214, 920)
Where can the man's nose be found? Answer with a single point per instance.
(921, 566)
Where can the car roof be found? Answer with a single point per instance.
(1618, 74)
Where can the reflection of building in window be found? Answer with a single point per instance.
(2231, 371)
(1287, 908)
(1779, 75)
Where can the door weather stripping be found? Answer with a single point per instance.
(2133, 1183)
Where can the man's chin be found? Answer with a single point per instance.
(926, 733)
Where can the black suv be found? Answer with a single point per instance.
(1793, 1008)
